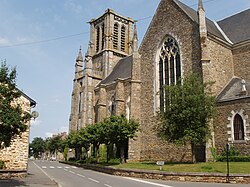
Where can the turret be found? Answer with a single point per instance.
(135, 39)
(79, 62)
(203, 32)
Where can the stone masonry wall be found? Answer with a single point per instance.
(241, 56)
(220, 68)
(168, 20)
(16, 156)
(222, 129)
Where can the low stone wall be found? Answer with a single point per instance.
(161, 175)
(7, 174)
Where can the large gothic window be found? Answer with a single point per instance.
(169, 67)
(238, 128)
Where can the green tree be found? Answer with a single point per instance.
(190, 106)
(119, 131)
(55, 144)
(37, 147)
(13, 118)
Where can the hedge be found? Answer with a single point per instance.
(233, 159)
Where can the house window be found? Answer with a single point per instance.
(97, 38)
(115, 38)
(169, 67)
(238, 127)
(123, 38)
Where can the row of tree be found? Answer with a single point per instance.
(114, 130)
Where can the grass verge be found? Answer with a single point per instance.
(217, 167)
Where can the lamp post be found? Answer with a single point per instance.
(227, 149)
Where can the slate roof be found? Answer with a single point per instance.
(232, 91)
(211, 27)
(237, 27)
(121, 70)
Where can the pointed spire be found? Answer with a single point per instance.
(200, 5)
(135, 39)
(88, 54)
(79, 57)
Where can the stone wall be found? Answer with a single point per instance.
(185, 32)
(220, 68)
(161, 175)
(222, 127)
(241, 56)
(16, 155)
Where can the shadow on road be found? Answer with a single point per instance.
(12, 183)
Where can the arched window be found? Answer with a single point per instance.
(97, 38)
(238, 128)
(123, 38)
(169, 66)
(103, 36)
(112, 106)
(115, 38)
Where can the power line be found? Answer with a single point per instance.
(44, 41)
(73, 35)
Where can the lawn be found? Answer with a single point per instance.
(217, 167)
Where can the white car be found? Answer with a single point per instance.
(53, 158)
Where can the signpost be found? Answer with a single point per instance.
(160, 163)
(228, 177)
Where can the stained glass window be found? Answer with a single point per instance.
(169, 66)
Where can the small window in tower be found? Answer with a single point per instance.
(123, 38)
(115, 39)
(97, 38)
(103, 36)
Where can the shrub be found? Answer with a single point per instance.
(234, 159)
(232, 152)
(2, 166)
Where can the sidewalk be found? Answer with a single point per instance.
(35, 178)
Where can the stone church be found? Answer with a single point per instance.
(118, 76)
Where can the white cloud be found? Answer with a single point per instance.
(4, 41)
(73, 7)
(60, 129)
(63, 129)
(35, 123)
(48, 134)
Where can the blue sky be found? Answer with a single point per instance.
(42, 38)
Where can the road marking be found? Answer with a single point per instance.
(46, 174)
(72, 172)
(66, 167)
(44, 167)
(93, 180)
(59, 167)
(81, 175)
(51, 167)
(147, 182)
(74, 167)
(107, 185)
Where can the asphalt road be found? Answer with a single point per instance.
(71, 176)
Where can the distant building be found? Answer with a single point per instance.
(118, 77)
(15, 156)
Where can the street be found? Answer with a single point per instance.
(71, 176)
